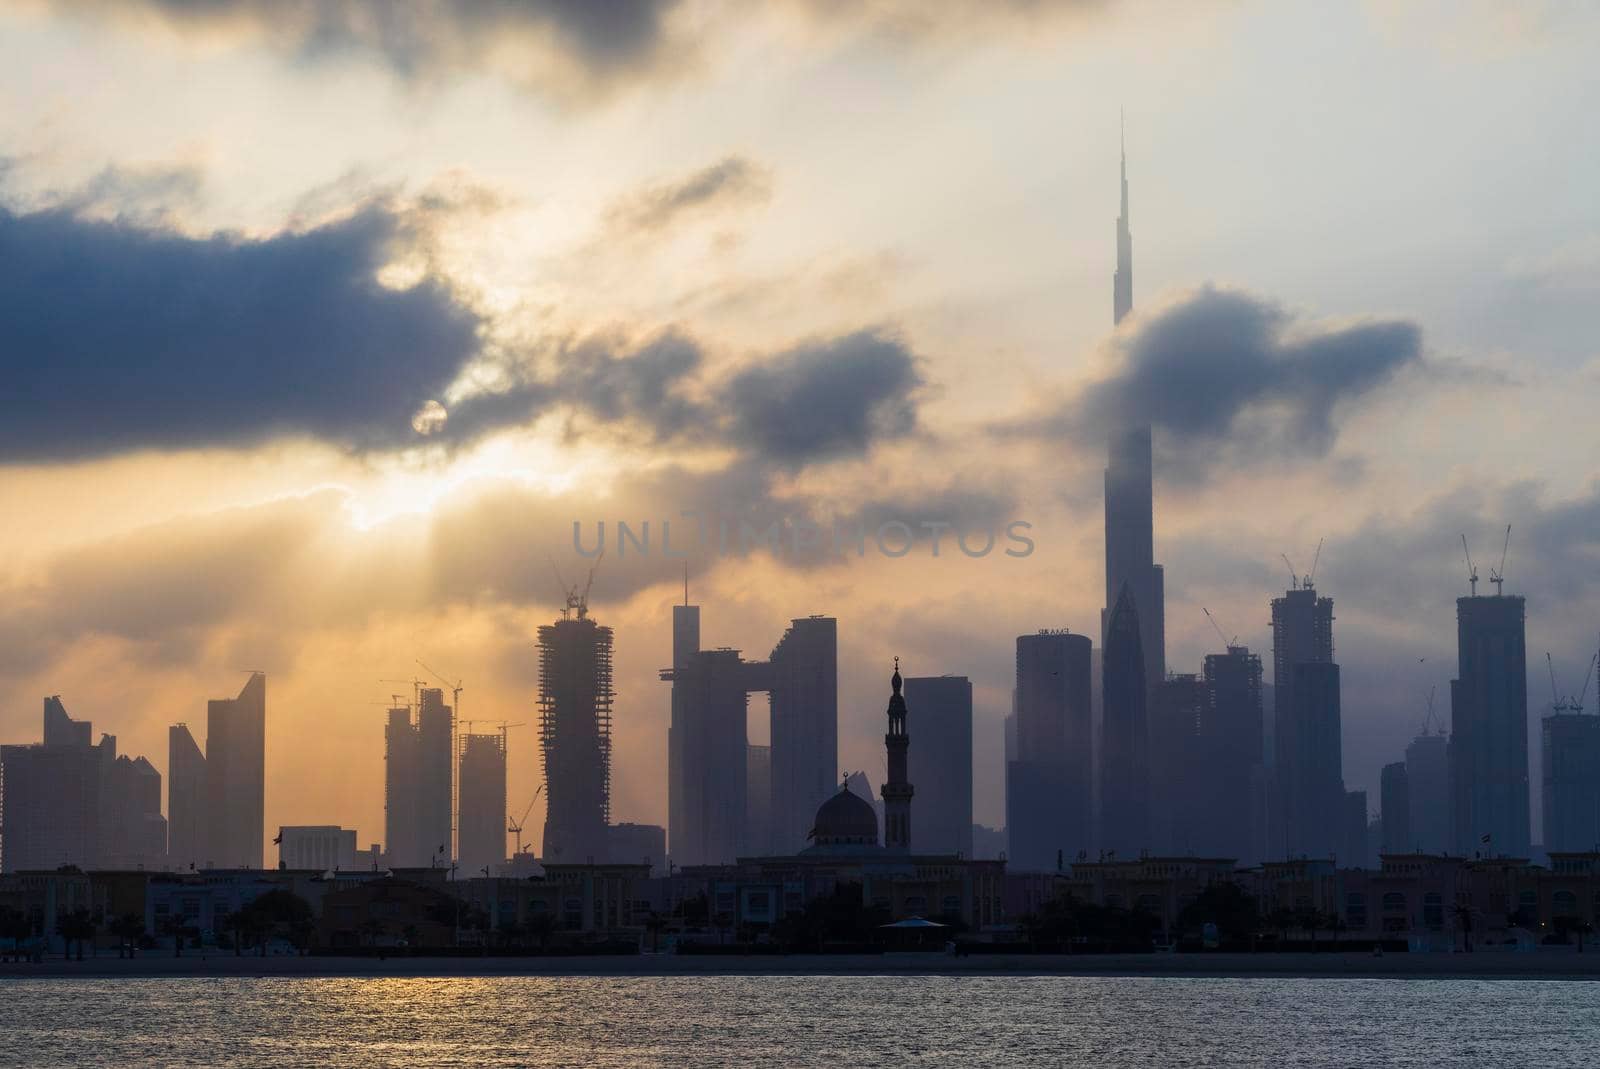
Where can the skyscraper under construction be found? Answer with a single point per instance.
(575, 733)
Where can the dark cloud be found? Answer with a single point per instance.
(656, 208)
(548, 43)
(118, 337)
(824, 399)
(1229, 378)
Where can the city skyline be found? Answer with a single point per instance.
(702, 288)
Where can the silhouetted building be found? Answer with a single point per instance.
(1489, 727)
(710, 739)
(758, 795)
(236, 771)
(481, 803)
(419, 783)
(1355, 846)
(1049, 803)
(709, 800)
(638, 844)
(1235, 799)
(186, 801)
(133, 833)
(897, 788)
(987, 843)
(575, 695)
(1571, 782)
(1125, 736)
(1428, 784)
(942, 762)
(324, 847)
(803, 692)
(1130, 493)
(1181, 768)
(1395, 803)
(65, 801)
(685, 645)
(402, 835)
(1308, 768)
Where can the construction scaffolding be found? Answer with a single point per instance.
(575, 699)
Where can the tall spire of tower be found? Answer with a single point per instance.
(1122, 282)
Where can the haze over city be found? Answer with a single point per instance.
(345, 324)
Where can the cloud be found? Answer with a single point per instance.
(566, 47)
(120, 337)
(1230, 378)
(655, 209)
(825, 398)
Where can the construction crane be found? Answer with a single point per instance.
(1428, 719)
(1472, 571)
(515, 826)
(1294, 577)
(576, 602)
(455, 688)
(1497, 576)
(1228, 643)
(1558, 704)
(1311, 577)
(1583, 695)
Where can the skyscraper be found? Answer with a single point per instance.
(708, 773)
(1309, 816)
(1125, 735)
(1570, 760)
(758, 799)
(403, 839)
(50, 805)
(803, 696)
(575, 695)
(481, 802)
(65, 801)
(897, 788)
(1129, 491)
(710, 737)
(1180, 770)
(186, 801)
(1236, 800)
(1395, 803)
(1489, 727)
(942, 763)
(436, 747)
(1049, 783)
(236, 770)
(1428, 785)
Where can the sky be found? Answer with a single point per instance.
(322, 324)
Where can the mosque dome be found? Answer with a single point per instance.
(846, 819)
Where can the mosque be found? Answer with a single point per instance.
(845, 850)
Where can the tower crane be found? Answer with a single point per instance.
(1228, 643)
(1311, 577)
(1472, 571)
(1497, 576)
(515, 826)
(455, 688)
(1294, 577)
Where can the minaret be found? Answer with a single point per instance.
(1122, 281)
(896, 791)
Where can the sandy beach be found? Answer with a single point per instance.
(1563, 963)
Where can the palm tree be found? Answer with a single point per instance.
(75, 927)
(654, 924)
(172, 924)
(129, 928)
(1463, 915)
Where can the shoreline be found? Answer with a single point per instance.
(1492, 965)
